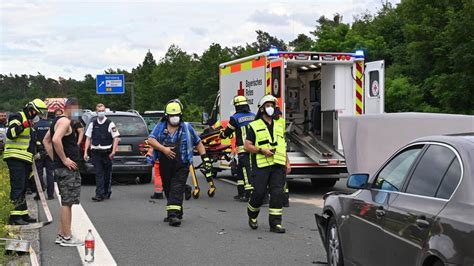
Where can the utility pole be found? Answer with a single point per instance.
(132, 91)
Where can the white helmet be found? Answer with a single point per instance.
(267, 98)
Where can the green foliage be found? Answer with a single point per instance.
(5, 205)
(428, 48)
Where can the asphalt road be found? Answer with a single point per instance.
(214, 230)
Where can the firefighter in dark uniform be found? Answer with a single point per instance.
(267, 144)
(103, 138)
(238, 123)
(173, 141)
(19, 157)
(42, 159)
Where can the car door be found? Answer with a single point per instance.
(368, 209)
(412, 214)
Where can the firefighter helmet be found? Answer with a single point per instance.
(240, 100)
(174, 107)
(267, 98)
(38, 105)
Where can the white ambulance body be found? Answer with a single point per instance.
(313, 90)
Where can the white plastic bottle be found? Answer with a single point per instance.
(90, 247)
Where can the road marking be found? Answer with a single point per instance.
(80, 226)
(228, 181)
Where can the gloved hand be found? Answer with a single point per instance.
(206, 161)
(149, 159)
(37, 156)
(26, 124)
(222, 135)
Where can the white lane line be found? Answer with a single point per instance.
(228, 181)
(80, 226)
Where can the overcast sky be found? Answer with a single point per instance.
(74, 38)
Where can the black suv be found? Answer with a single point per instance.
(130, 158)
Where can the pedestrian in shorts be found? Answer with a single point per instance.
(61, 145)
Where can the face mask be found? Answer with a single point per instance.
(269, 110)
(101, 115)
(36, 119)
(75, 115)
(174, 120)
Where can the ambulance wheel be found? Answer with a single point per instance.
(145, 179)
(323, 182)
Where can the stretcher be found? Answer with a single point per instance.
(216, 152)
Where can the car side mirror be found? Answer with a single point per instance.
(205, 118)
(358, 181)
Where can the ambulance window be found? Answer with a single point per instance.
(374, 90)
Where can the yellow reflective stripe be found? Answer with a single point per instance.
(14, 121)
(12, 132)
(240, 182)
(240, 149)
(173, 207)
(25, 212)
(252, 209)
(248, 187)
(273, 211)
(18, 154)
(231, 126)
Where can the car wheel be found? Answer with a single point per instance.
(333, 244)
(323, 182)
(145, 179)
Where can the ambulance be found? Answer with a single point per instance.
(313, 90)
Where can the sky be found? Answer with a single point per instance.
(70, 39)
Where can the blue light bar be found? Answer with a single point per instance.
(359, 54)
(273, 50)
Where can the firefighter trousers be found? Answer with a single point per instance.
(174, 175)
(19, 173)
(271, 178)
(244, 175)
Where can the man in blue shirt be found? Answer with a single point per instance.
(173, 141)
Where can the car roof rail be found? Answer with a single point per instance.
(133, 111)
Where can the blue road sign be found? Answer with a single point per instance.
(110, 84)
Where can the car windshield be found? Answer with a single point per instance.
(130, 125)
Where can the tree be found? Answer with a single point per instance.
(302, 43)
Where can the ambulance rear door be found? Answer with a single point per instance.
(374, 86)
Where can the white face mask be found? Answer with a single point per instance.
(101, 115)
(36, 119)
(174, 120)
(269, 110)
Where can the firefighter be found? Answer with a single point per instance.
(19, 157)
(239, 123)
(157, 181)
(266, 142)
(173, 140)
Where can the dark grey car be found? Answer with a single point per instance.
(129, 160)
(418, 209)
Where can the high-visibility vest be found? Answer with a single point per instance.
(18, 147)
(264, 140)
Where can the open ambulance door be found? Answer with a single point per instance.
(374, 87)
(277, 82)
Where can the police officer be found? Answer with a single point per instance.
(267, 144)
(103, 138)
(42, 159)
(19, 157)
(173, 140)
(239, 123)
